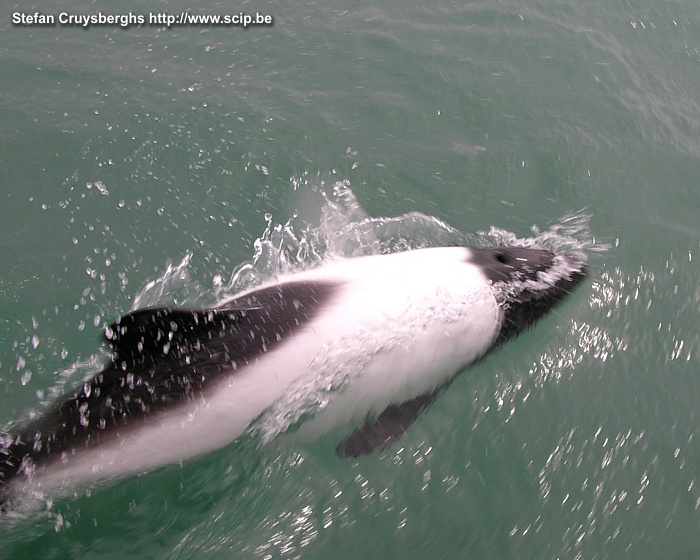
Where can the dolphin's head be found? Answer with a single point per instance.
(526, 283)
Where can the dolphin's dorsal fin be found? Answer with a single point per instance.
(166, 333)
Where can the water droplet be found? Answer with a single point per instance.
(26, 377)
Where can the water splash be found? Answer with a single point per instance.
(346, 231)
(174, 286)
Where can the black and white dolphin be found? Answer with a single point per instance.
(376, 338)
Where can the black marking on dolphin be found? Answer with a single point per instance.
(163, 357)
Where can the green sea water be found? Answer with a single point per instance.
(148, 164)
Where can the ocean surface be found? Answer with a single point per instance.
(147, 164)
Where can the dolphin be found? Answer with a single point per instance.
(370, 342)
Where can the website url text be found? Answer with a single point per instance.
(164, 19)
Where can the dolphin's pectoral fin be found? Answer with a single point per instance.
(387, 428)
(166, 333)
